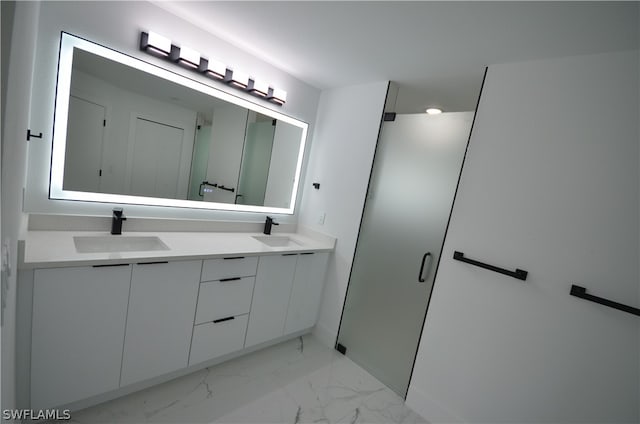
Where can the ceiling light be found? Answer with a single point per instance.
(434, 111)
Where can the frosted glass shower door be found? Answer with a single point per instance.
(410, 196)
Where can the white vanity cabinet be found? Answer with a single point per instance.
(306, 293)
(274, 281)
(160, 319)
(224, 301)
(97, 330)
(78, 330)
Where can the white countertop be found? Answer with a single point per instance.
(47, 249)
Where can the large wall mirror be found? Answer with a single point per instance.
(127, 131)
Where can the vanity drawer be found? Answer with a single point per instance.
(220, 299)
(214, 339)
(216, 269)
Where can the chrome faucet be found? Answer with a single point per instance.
(116, 221)
(267, 225)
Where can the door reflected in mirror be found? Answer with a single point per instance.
(137, 133)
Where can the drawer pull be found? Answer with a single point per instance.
(222, 280)
(289, 254)
(108, 265)
(153, 263)
(233, 257)
(223, 319)
(308, 253)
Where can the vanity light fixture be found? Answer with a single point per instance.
(215, 69)
(160, 46)
(259, 88)
(433, 111)
(157, 45)
(189, 57)
(277, 96)
(239, 79)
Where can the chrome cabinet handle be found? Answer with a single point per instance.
(422, 279)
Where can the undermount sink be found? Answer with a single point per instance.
(103, 244)
(277, 241)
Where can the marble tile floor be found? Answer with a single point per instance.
(299, 381)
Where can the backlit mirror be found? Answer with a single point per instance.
(127, 131)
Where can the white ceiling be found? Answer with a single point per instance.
(435, 51)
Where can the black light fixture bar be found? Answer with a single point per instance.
(159, 46)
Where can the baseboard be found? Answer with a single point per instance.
(430, 410)
(325, 336)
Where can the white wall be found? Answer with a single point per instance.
(14, 152)
(345, 138)
(550, 185)
(6, 27)
(117, 25)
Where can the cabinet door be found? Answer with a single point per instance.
(270, 298)
(306, 293)
(162, 307)
(78, 329)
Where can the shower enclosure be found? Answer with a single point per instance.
(410, 196)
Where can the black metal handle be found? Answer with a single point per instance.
(518, 273)
(31, 135)
(233, 257)
(108, 265)
(224, 280)
(153, 263)
(214, 185)
(424, 258)
(221, 187)
(581, 292)
(205, 183)
(223, 319)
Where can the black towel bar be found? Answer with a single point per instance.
(581, 292)
(518, 273)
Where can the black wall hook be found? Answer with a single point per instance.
(30, 135)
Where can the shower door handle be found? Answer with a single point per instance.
(424, 258)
